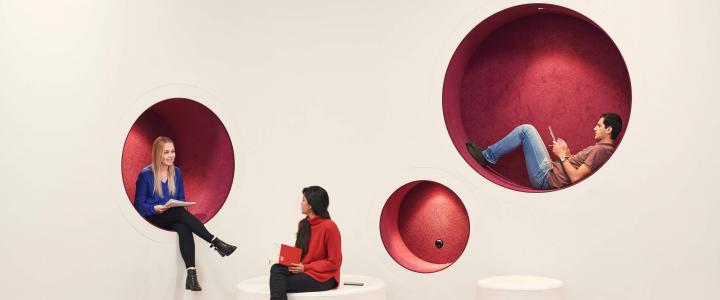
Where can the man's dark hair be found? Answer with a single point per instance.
(613, 121)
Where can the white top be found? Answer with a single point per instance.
(519, 283)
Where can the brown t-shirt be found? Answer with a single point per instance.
(593, 157)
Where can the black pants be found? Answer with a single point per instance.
(185, 224)
(283, 282)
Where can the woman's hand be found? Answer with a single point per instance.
(296, 268)
(160, 208)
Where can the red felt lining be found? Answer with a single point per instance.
(415, 216)
(525, 65)
(203, 147)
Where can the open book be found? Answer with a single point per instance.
(175, 203)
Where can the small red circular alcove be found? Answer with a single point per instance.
(203, 147)
(537, 64)
(424, 226)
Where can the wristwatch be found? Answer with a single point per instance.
(563, 159)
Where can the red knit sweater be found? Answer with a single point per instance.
(324, 256)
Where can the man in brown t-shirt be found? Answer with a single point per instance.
(569, 169)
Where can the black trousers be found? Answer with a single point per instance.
(185, 224)
(283, 282)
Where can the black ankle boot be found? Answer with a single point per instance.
(221, 247)
(191, 282)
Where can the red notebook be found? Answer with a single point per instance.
(289, 255)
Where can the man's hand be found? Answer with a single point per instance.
(560, 148)
(296, 268)
(160, 208)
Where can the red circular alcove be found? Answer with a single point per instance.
(204, 152)
(416, 217)
(537, 64)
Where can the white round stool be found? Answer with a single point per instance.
(519, 288)
(258, 288)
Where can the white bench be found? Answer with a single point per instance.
(519, 288)
(258, 288)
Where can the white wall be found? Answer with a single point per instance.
(347, 95)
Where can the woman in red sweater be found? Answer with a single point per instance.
(319, 239)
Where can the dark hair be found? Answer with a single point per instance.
(319, 201)
(613, 121)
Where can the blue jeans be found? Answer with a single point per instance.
(537, 159)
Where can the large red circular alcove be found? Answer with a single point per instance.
(203, 147)
(424, 226)
(537, 64)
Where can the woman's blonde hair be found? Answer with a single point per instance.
(157, 154)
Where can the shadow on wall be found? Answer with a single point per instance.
(537, 64)
(204, 152)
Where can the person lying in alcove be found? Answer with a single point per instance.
(319, 239)
(545, 174)
(157, 184)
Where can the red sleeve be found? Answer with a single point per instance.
(334, 254)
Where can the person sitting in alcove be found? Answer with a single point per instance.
(319, 239)
(569, 169)
(157, 184)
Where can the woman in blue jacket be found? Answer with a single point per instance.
(155, 186)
